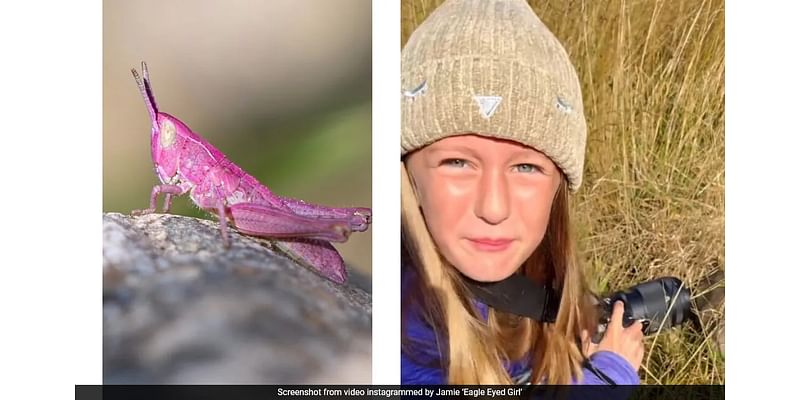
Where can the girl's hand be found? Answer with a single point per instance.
(627, 342)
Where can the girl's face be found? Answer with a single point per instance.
(486, 201)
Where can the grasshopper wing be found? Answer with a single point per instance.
(268, 221)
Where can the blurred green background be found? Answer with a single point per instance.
(282, 87)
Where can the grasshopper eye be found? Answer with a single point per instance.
(167, 135)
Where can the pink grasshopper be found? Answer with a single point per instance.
(186, 163)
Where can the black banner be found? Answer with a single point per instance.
(313, 392)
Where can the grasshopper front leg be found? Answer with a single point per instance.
(210, 198)
(223, 225)
(169, 190)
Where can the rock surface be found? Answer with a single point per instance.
(180, 308)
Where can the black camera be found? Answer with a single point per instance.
(660, 304)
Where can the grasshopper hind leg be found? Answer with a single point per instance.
(317, 255)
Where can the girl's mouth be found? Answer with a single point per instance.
(489, 244)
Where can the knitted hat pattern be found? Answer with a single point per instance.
(492, 68)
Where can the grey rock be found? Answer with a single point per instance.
(178, 308)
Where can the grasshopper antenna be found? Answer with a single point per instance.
(146, 75)
(146, 91)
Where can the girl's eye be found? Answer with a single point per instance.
(526, 168)
(454, 162)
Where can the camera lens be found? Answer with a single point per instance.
(661, 304)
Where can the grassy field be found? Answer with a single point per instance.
(652, 203)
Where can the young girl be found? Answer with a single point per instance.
(493, 141)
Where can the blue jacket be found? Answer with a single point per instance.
(420, 368)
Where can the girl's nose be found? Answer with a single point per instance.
(492, 203)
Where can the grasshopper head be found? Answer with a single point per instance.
(164, 131)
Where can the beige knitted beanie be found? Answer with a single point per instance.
(491, 67)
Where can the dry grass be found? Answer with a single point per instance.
(653, 199)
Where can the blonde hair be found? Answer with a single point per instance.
(476, 348)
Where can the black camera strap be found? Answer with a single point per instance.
(518, 295)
